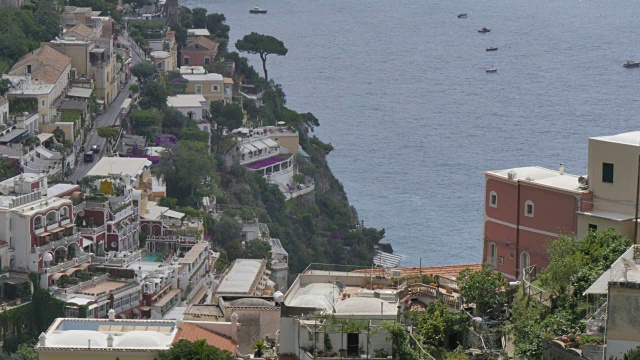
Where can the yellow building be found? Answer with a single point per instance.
(213, 87)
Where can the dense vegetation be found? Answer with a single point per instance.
(574, 265)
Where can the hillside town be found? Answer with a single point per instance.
(159, 201)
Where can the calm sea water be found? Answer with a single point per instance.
(400, 89)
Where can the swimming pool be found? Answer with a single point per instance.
(157, 257)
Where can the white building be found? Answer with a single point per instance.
(340, 294)
(39, 229)
(246, 277)
(127, 170)
(193, 107)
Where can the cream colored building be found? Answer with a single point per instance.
(214, 87)
(613, 182)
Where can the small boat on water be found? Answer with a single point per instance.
(484, 30)
(462, 16)
(493, 48)
(492, 69)
(257, 10)
(631, 64)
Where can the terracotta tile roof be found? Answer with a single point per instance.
(47, 64)
(446, 270)
(204, 42)
(192, 332)
(80, 29)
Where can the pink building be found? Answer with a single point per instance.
(525, 208)
(199, 52)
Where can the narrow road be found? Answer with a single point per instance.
(108, 118)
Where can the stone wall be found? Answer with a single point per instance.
(555, 350)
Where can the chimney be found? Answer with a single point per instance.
(110, 340)
(234, 327)
(112, 315)
(561, 171)
(43, 340)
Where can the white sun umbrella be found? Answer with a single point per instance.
(281, 123)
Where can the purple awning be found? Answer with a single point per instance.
(266, 162)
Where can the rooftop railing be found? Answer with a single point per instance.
(55, 244)
(68, 265)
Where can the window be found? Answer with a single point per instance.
(500, 260)
(528, 208)
(215, 88)
(493, 199)
(525, 261)
(186, 60)
(593, 227)
(159, 65)
(198, 89)
(90, 314)
(607, 173)
(43, 102)
(72, 312)
(206, 60)
(493, 254)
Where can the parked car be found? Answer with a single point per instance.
(95, 148)
(88, 156)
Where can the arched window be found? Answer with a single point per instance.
(528, 208)
(52, 218)
(64, 213)
(37, 222)
(493, 199)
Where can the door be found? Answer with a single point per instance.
(525, 263)
(353, 342)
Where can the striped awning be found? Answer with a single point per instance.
(71, 271)
(57, 276)
(386, 260)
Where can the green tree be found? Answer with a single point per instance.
(143, 70)
(24, 352)
(216, 26)
(4, 86)
(437, 323)
(108, 133)
(194, 134)
(144, 120)
(400, 347)
(196, 350)
(47, 16)
(632, 354)
(134, 88)
(172, 121)
(17, 33)
(199, 18)
(188, 168)
(226, 231)
(485, 288)
(229, 117)
(186, 17)
(8, 169)
(257, 249)
(154, 96)
(263, 45)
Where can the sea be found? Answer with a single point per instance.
(401, 91)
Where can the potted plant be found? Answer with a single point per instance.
(259, 346)
(343, 352)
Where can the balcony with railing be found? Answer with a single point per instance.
(92, 230)
(68, 264)
(55, 244)
(83, 285)
(119, 260)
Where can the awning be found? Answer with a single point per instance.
(44, 137)
(173, 214)
(86, 243)
(260, 145)
(270, 143)
(145, 308)
(57, 276)
(84, 266)
(244, 150)
(58, 229)
(79, 92)
(71, 271)
(12, 135)
(227, 80)
(250, 147)
(69, 225)
(44, 234)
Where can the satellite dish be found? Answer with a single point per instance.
(47, 257)
(582, 180)
(278, 296)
